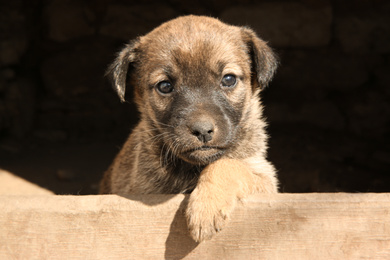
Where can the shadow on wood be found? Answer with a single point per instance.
(280, 226)
(179, 244)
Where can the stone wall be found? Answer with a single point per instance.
(328, 105)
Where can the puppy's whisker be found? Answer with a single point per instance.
(162, 124)
(152, 139)
(164, 158)
(154, 130)
(175, 151)
(168, 155)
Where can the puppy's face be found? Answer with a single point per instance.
(194, 79)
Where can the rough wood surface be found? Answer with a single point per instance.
(282, 226)
(11, 184)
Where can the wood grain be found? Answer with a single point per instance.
(281, 226)
(11, 184)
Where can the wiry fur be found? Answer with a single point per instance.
(162, 155)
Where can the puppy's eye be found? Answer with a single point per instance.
(164, 87)
(228, 80)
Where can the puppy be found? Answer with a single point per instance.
(196, 83)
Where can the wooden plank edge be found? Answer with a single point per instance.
(281, 226)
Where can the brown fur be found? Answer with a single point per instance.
(166, 153)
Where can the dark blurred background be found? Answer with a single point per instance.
(328, 107)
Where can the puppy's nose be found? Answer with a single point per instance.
(203, 130)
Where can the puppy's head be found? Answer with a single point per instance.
(196, 81)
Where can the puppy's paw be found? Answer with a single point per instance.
(219, 187)
(208, 214)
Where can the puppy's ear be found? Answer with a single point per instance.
(119, 69)
(264, 61)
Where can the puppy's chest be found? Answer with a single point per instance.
(178, 178)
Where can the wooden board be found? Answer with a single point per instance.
(282, 226)
(11, 184)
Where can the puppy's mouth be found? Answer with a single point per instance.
(203, 155)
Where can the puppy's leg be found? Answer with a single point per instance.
(220, 185)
